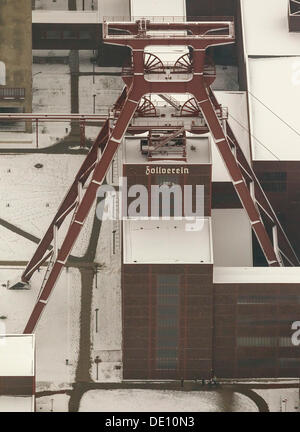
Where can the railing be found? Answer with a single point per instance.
(12, 93)
(168, 19)
(167, 27)
(209, 70)
(169, 35)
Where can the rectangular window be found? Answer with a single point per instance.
(12, 93)
(268, 299)
(289, 362)
(273, 181)
(167, 318)
(264, 341)
(53, 34)
(256, 362)
(257, 341)
(256, 299)
(250, 320)
(84, 34)
(167, 179)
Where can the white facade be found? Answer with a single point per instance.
(167, 241)
(272, 56)
(158, 8)
(266, 29)
(232, 238)
(17, 355)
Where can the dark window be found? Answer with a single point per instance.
(167, 179)
(12, 93)
(250, 320)
(167, 318)
(256, 299)
(264, 341)
(268, 299)
(256, 362)
(69, 34)
(84, 34)
(53, 34)
(289, 362)
(273, 181)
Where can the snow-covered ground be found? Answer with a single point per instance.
(57, 334)
(97, 94)
(107, 298)
(281, 400)
(30, 198)
(53, 403)
(164, 400)
(107, 337)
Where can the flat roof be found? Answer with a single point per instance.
(232, 237)
(17, 355)
(266, 29)
(198, 151)
(167, 241)
(274, 94)
(113, 8)
(166, 8)
(16, 404)
(64, 17)
(264, 275)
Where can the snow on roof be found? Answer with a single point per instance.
(167, 241)
(236, 102)
(266, 29)
(168, 53)
(16, 355)
(197, 152)
(64, 17)
(254, 275)
(165, 8)
(113, 8)
(232, 237)
(274, 91)
(16, 404)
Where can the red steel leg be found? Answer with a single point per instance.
(235, 173)
(69, 203)
(83, 209)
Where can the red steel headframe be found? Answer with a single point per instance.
(197, 35)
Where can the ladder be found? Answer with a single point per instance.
(170, 100)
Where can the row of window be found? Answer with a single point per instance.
(167, 316)
(250, 320)
(268, 299)
(67, 34)
(264, 341)
(283, 362)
